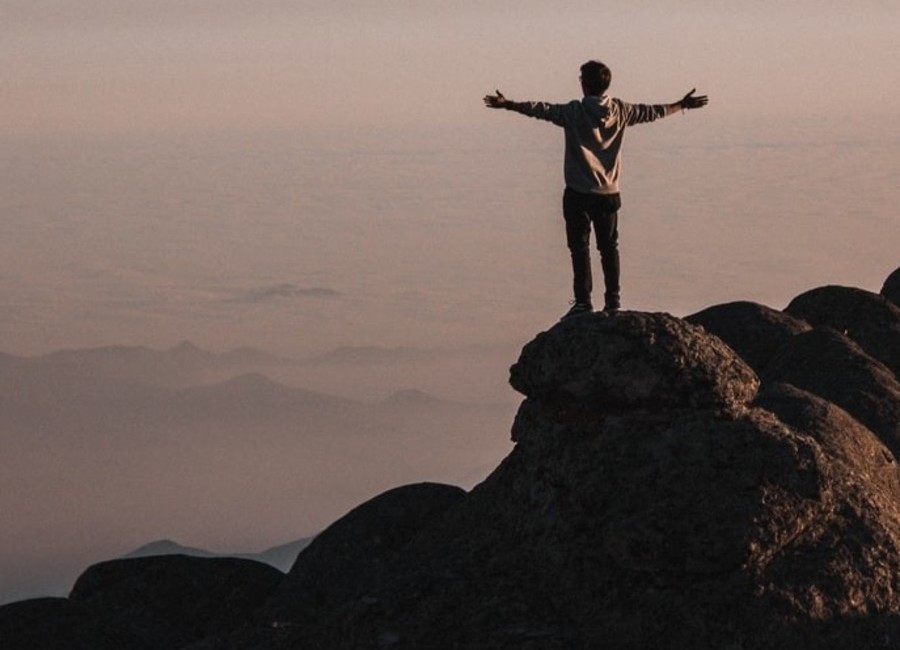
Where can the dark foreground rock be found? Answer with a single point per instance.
(704, 523)
(871, 320)
(840, 435)
(891, 287)
(832, 366)
(171, 600)
(60, 624)
(142, 604)
(329, 570)
(752, 330)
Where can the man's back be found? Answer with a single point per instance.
(594, 128)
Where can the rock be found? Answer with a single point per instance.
(633, 360)
(841, 436)
(328, 572)
(872, 321)
(830, 365)
(171, 600)
(891, 288)
(60, 624)
(752, 330)
(728, 531)
(256, 638)
(667, 528)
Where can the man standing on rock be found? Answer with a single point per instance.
(594, 127)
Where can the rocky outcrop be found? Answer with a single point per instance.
(143, 603)
(871, 320)
(329, 570)
(631, 516)
(752, 330)
(891, 287)
(632, 361)
(841, 436)
(830, 365)
(61, 624)
(171, 600)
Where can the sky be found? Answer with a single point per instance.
(299, 176)
(107, 65)
(166, 158)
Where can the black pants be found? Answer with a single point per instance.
(580, 212)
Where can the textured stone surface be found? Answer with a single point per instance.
(871, 320)
(840, 435)
(830, 365)
(630, 528)
(638, 531)
(633, 360)
(752, 330)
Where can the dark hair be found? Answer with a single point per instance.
(595, 77)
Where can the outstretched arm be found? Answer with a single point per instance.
(540, 110)
(641, 113)
(689, 101)
(498, 101)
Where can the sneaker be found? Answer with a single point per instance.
(577, 309)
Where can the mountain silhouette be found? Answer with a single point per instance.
(281, 557)
(137, 439)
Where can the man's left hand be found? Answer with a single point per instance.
(689, 101)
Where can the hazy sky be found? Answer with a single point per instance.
(130, 65)
(164, 159)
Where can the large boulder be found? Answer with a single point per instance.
(647, 522)
(171, 600)
(830, 365)
(633, 360)
(61, 624)
(871, 320)
(752, 330)
(839, 434)
(329, 571)
(891, 287)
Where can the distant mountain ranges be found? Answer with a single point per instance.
(186, 383)
(185, 363)
(123, 417)
(281, 557)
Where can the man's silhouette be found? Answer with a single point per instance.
(594, 127)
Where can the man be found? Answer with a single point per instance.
(593, 128)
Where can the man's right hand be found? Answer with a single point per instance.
(495, 101)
